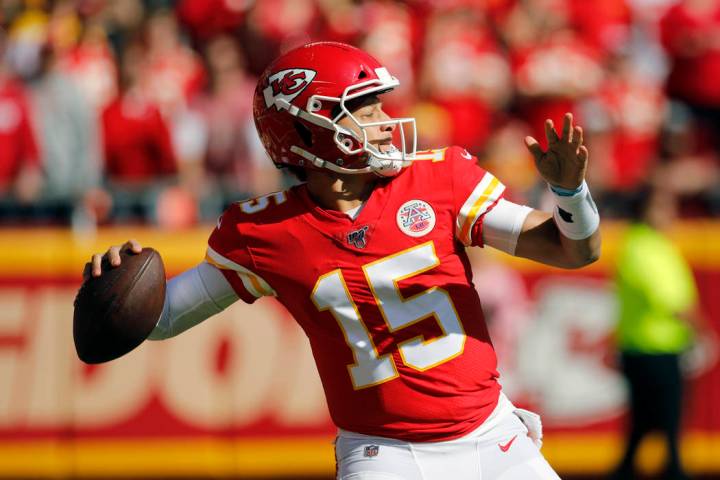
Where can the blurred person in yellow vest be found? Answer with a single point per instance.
(657, 301)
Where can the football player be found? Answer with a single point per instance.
(368, 255)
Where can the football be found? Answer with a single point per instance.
(115, 312)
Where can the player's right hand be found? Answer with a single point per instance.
(113, 255)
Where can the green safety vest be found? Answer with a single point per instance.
(654, 283)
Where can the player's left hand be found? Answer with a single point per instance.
(565, 161)
(533, 423)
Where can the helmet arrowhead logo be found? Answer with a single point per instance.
(286, 85)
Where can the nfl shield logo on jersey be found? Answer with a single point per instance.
(416, 218)
(357, 238)
(371, 451)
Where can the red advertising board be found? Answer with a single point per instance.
(239, 394)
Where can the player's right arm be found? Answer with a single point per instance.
(224, 277)
(190, 298)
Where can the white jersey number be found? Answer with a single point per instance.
(259, 204)
(370, 368)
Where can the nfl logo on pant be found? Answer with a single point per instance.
(371, 451)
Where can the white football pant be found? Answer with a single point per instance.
(499, 449)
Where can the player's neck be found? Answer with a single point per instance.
(340, 192)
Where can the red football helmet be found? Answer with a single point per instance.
(300, 98)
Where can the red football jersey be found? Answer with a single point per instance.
(386, 299)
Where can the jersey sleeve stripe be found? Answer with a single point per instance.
(487, 191)
(472, 199)
(246, 279)
(434, 155)
(253, 282)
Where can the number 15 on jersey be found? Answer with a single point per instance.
(383, 275)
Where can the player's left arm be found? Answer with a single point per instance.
(569, 237)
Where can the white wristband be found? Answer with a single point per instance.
(576, 215)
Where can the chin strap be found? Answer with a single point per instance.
(388, 168)
(381, 167)
(320, 163)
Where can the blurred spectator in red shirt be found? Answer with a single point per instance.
(173, 73)
(235, 166)
(389, 37)
(691, 34)
(604, 25)
(20, 170)
(90, 64)
(465, 74)
(343, 20)
(275, 26)
(623, 124)
(206, 19)
(139, 157)
(553, 66)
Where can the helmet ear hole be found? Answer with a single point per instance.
(345, 141)
(362, 74)
(304, 133)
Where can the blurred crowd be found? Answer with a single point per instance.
(141, 111)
